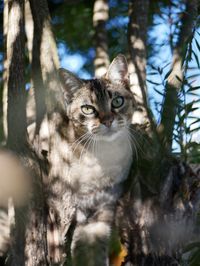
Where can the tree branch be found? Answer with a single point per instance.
(137, 34)
(100, 17)
(175, 78)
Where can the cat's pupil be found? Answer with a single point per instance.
(87, 109)
(117, 102)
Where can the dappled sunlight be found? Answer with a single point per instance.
(14, 29)
(88, 158)
(100, 11)
(4, 232)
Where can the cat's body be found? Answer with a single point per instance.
(95, 154)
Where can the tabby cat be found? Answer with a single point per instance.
(96, 154)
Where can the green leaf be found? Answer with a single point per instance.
(191, 145)
(160, 93)
(193, 88)
(153, 73)
(197, 44)
(196, 121)
(192, 117)
(154, 83)
(178, 78)
(193, 76)
(198, 33)
(195, 258)
(193, 94)
(191, 246)
(196, 58)
(194, 130)
(168, 73)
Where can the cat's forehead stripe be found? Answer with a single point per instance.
(99, 89)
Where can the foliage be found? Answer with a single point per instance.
(187, 123)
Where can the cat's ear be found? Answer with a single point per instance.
(70, 83)
(118, 70)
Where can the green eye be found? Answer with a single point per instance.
(117, 102)
(87, 109)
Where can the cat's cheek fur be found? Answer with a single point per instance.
(92, 124)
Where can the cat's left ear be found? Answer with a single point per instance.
(70, 83)
(118, 70)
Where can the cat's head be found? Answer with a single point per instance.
(102, 107)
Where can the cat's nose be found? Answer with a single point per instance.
(108, 123)
(107, 120)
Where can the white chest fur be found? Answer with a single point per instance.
(106, 163)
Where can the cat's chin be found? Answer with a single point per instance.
(110, 135)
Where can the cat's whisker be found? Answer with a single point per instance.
(79, 141)
(137, 134)
(95, 130)
(134, 140)
(133, 145)
(96, 145)
(93, 145)
(129, 142)
(85, 146)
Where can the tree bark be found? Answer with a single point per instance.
(5, 83)
(137, 35)
(52, 217)
(29, 242)
(100, 17)
(34, 45)
(174, 81)
(15, 74)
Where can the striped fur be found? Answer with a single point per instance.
(91, 156)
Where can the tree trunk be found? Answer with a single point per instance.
(15, 74)
(137, 35)
(16, 107)
(54, 215)
(29, 242)
(5, 83)
(100, 17)
(174, 81)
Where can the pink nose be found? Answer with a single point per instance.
(107, 120)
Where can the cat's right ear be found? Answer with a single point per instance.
(70, 83)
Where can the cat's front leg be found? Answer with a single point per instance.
(91, 238)
(90, 244)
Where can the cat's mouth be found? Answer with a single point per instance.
(109, 134)
(108, 131)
